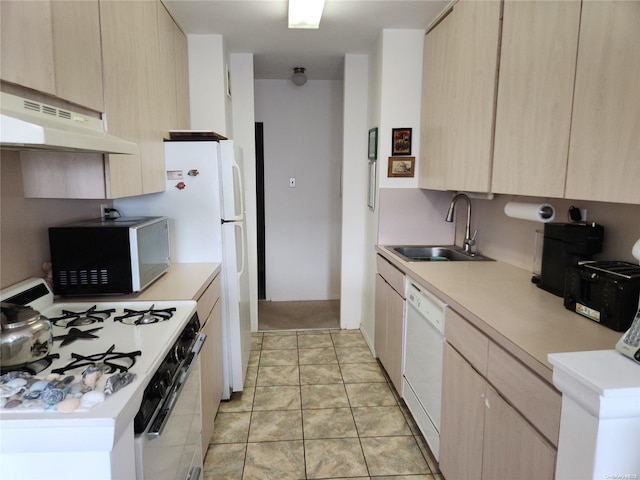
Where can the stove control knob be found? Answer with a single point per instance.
(163, 383)
(179, 353)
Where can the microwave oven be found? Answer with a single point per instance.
(118, 256)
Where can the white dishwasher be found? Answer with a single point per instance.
(423, 362)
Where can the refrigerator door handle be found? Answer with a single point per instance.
(241, 269)
(238, 174)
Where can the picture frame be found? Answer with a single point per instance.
(372, 152)
(401, 167)
(400, 141)
(371, 193)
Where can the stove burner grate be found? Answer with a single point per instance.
(76, 334)
(33, 368)
(90, 316)
(114, 361)
(145, 317)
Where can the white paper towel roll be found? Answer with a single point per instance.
(536, 212)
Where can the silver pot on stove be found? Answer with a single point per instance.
(26, 335)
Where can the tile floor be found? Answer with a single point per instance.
(316, 405)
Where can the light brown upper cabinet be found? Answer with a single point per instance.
(54, 47)
(535, 89)
(460, 70)
(604, 151)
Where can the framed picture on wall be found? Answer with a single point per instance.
(373, 144)
(400, 141)
(401, 166)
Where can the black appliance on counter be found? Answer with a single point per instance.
(606, 292)
(565, 245)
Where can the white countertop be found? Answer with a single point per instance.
(500, 300)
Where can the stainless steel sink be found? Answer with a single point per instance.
(429, 253)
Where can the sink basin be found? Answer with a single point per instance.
(428, 253)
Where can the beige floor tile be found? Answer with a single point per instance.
(250, 377)
(276, 425)
(355, 355)
(393, 456)
(277, 398)
(324, 396)
(319, 374)
(346, 338)
(231, 427)
(317, 356)
(239, 402)
(331, 458)
(256, 341)
(284, 375)
(254, 358)
(314, 341)
(370, 395)
(315, 331)
(278, 357)
(328, 423)
(380, 421)
(426, 453)
(362, 373)
(279, 342)
(274, 460)
(224, 462)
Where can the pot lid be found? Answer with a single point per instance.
(17, 315)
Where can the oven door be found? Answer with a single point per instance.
(170, 447)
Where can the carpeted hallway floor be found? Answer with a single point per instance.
(299, 315)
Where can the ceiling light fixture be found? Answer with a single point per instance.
(305, 13)
(299, 78)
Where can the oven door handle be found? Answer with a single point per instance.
(194, 473)
(161, 418)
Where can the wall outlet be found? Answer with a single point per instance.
(292, 182)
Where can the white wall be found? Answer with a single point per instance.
(302, 139)
(355, 181)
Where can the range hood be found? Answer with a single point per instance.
(29, 125)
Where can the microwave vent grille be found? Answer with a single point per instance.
(84, 278)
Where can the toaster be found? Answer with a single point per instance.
(606, 292)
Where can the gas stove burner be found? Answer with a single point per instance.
(76, 334)
(113, 361)
(78, 319)
(145, 317)
(32, 368)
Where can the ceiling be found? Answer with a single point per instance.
(260, 27)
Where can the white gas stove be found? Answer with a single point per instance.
(152, 340)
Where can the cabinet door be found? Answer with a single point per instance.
(381, 320)
(512, 449)
(436, 136)
(460, 75)
(604, 158)
(182, 79)
(26, 56)
(395, 337)
(535, 90)
(462, 427)
(77, 52)
(211, 374)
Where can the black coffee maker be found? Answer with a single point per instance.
(566, 244)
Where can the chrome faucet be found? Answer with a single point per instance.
(469, 241)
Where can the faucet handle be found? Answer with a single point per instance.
(472, 241)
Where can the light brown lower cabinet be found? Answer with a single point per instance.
(210, 314)
(499, 419)
(389, 320)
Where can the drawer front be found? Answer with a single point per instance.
(208, 299)
(536, 400)
(391, 274)
(468, 340)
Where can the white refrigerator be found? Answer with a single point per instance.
(204, 201)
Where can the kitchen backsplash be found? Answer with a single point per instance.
(414, 216)
(24, 223)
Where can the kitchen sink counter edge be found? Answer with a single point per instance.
(501, 301)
